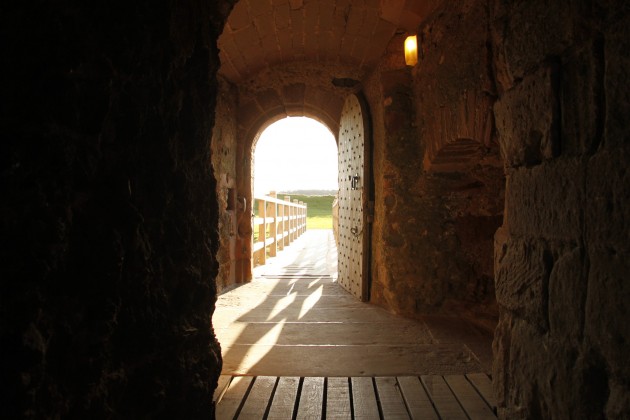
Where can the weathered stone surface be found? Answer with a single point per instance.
(609, 256)
(606, 308)
(522, 280)
(449, 256)
(454, 86)
(574, 210)
(561, 182)
(529, 401)
(617, 72)
(618, 399)
(607, 190)
(582, 99)
(528, 33)
(108, 219)
(276, 34)
(533, 136)
(433, 232)
(224, 145)
(567, 295)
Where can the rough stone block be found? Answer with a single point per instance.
(294, 94)
(285, 42)
(522, 281)
(311, 18)
(526, 354)
(264, 24)
(239, 18)
(247, 113)
(246, 38)
(259, 7)
(297, 23)
(270, 46)
(527, 119)
(227, 68)
(501, 353)
(528, 33)
(254, 56)
(608, 193)
(228, 45)
(269, 100)
(567, 293)
(370, 21)
(618, 404)
(355, 20)
(582, 100)
(326, 19)
(282, 14)
(531, 192)
(617, 129)
(607, 309)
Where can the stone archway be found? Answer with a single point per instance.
(404, 280)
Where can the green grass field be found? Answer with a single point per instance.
(319, 213)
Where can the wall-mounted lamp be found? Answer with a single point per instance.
(411, 50)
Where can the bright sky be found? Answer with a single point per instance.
(295, 154)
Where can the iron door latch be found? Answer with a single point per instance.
(354, 181)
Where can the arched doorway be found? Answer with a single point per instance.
(295, 154)
(294, 161)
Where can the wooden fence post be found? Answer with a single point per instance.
(295, 219)
(287, 227)
(262, 231)
(302, 219)
(280, 233)
(273, 227)
(279, 222)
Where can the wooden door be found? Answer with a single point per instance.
(353, 199)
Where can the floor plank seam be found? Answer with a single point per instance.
(298, 396)
(402, 394)
(378, 399)
(457, 398)
(247, 392)
(273, 393)
(449, 396)
(325, 398)
(351, 398)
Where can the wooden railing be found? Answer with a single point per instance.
(278, 223)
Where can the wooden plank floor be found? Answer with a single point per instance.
(295, 345)
(295, 320)
(403, 397)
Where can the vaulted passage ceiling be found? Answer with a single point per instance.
(302, 57)
(266, 33)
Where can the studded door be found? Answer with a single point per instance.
(353, 199)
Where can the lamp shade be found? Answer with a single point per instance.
(411, 50)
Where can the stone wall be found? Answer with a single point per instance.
(562, 255)
(438, 174)
(108, 213)
(224, 148)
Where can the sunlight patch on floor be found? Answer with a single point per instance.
(310, 301)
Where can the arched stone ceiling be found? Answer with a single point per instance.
(302, 57)
(263, 34)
